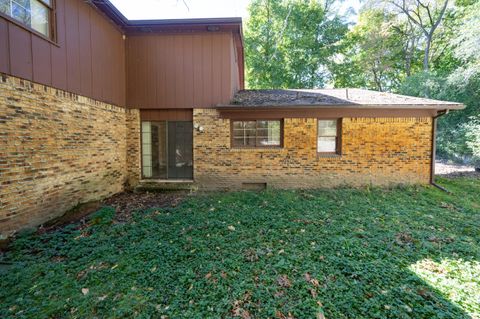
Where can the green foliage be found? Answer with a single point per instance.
(424, 84)
(291, 43)
(400, 253)
(103, 217)
(375, 53)
(471, 131)
(381, 53)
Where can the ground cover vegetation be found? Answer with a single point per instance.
(346, 253)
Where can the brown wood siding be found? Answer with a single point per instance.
(88, 57)
(4, 47)
(20, 44)
(235, 79)
(174, 71)
(167, 115)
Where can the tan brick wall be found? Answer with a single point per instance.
(133, 147)
(379, 151)
(56, 150)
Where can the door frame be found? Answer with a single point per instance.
(142, 177)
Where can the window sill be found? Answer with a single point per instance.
(256, 149)
(328, 155)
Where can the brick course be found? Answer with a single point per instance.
(378, 151)
(57, 150)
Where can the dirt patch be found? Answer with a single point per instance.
(473, 174)
(124, 203)
(75, 214)
(128, 202)
(453, 170)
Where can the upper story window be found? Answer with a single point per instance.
(329, 134)
(261, 133)
(35, 14)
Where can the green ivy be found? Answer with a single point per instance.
(403, 253)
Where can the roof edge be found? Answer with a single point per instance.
(237, 107)
(196, 21)
(110, 11)
(127, 25)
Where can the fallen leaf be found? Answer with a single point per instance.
(283, 281)
(85, 291)
(320, 314)
(307, 277)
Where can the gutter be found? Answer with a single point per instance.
(434, 150)
(352, 105)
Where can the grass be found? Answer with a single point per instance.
(370, 253)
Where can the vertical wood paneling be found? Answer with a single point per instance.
(119, 68)
(207, 60)
(59, 55)
(85, 41)
(161, 74)
(20, 43)
(4, 47)
(170, 75)
(179, 71)
(85, 53)
(234, 66)
(153, 61)
(226, 81)
(142, 73)
(72, 45)
(188, 71)
(98, 60)
(42, 61)
(217, 69)
(197, 70)
(108, 74)
(131, 72)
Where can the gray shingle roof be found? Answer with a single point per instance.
(344, 98)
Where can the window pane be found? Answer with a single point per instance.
(327, 127)
(40, 17)
(32, 13)
(21, 11)
(268, 133)
(244, 133)
(256, 133)
(327, 144)
(5, 6)
(147, 149)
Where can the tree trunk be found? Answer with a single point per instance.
(426, 57)
(377, 79)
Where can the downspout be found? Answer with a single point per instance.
(434, 150)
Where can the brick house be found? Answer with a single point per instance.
(92, 103)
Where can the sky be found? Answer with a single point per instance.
(177, 9)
